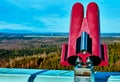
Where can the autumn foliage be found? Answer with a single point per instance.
(47, 56)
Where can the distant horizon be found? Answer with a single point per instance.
(30, 31)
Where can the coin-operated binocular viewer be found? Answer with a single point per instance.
(84, 50)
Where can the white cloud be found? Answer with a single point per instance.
(55, 23)
(5, 25)
(36, 4)
(54, 26)
(59, 21)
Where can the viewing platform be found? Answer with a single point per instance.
(42, 75)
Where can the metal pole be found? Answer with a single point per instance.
(84, 75)
(83, 42)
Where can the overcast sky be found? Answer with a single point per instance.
(54, 15)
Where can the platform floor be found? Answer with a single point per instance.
(42, 75)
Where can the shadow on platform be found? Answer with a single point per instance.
(33, 76)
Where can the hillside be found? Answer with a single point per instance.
(52, 60)
(45, 52)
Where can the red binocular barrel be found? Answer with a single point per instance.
(84, 38)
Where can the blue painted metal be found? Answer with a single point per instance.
(35, 75)
(40, 75)
(114, 78)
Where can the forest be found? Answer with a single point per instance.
(45, 53)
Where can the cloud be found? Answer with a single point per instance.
(5, 25)
(55, 26)
(53, 16)
(36, 4)
(55, 23)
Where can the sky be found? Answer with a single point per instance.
(54, 16)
